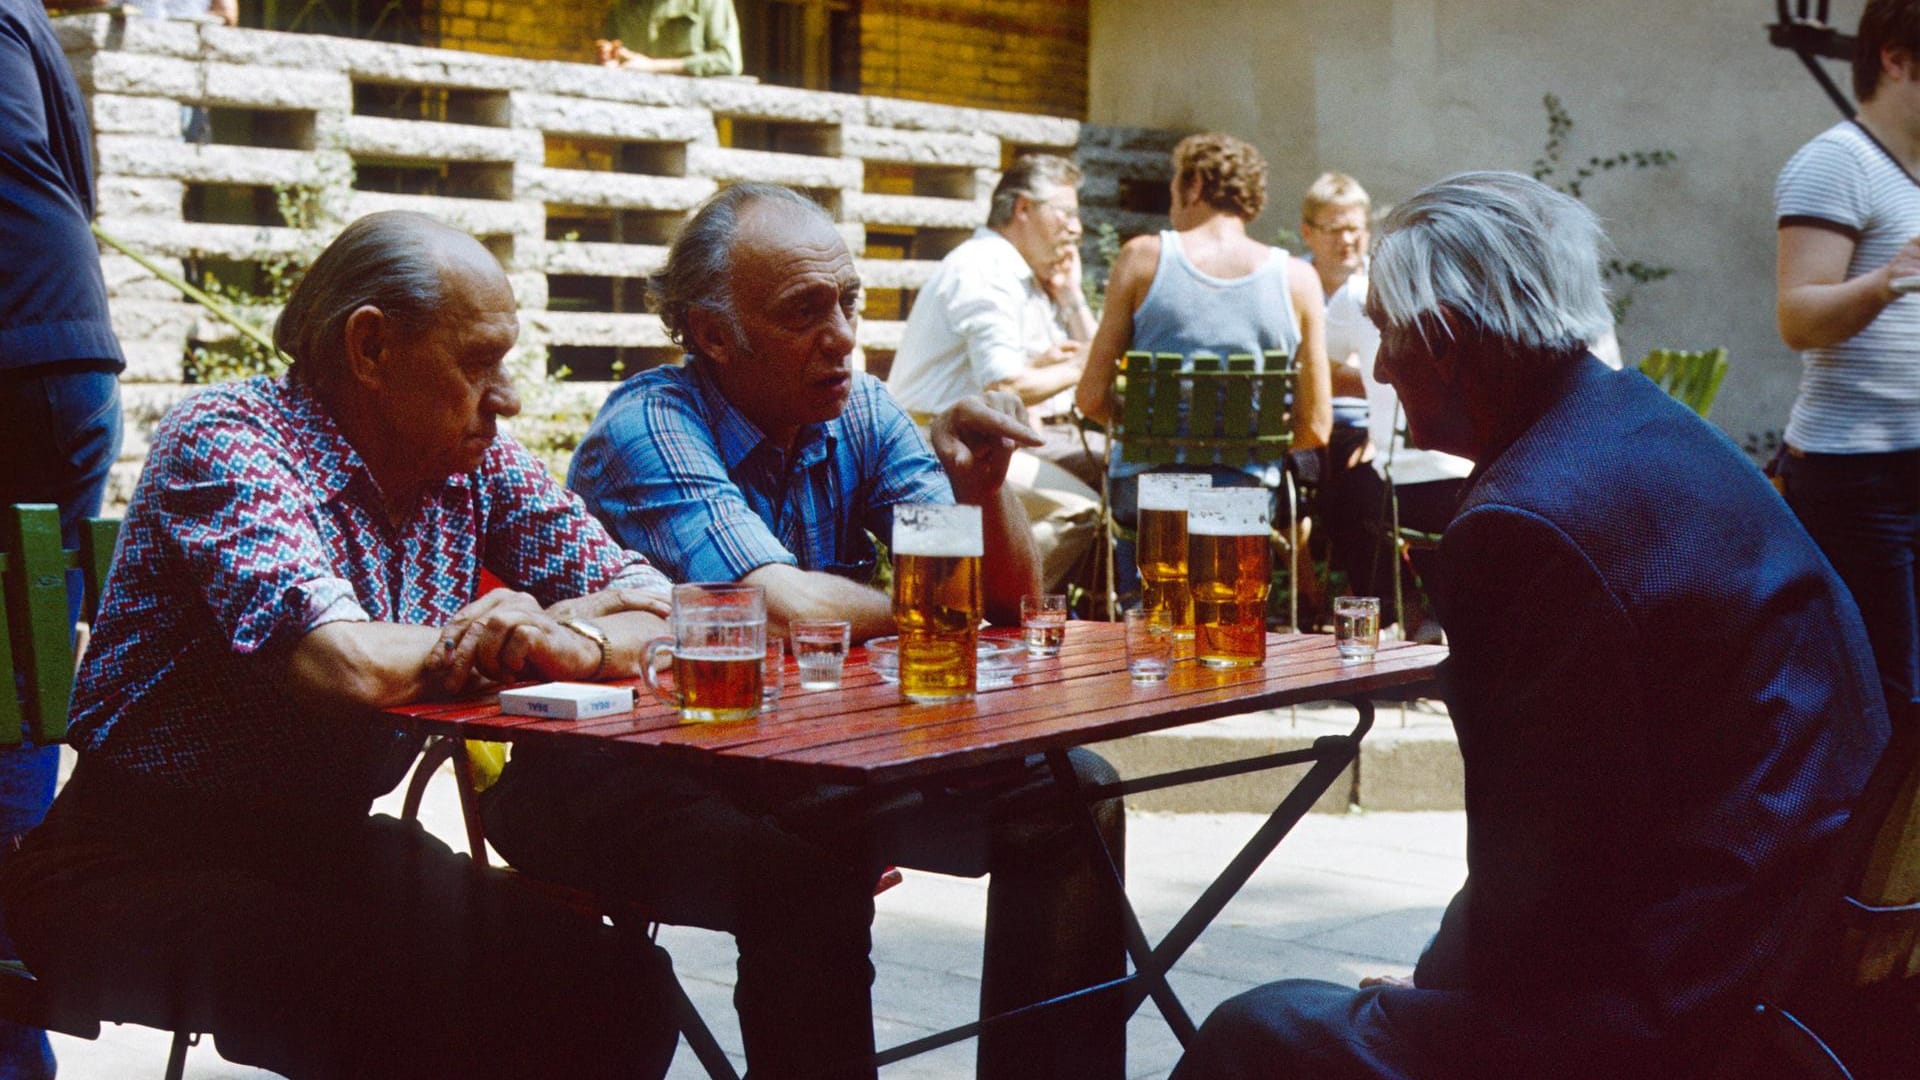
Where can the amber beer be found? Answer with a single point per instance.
(1162, 549)
(1229, 570)
(936, 599)
(718, 649)
(716, 684)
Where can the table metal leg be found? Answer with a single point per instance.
(1340, 750)
(1328, 758)
(1147, 967)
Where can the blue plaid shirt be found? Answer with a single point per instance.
(676, 472)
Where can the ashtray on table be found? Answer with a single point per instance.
(996, 663)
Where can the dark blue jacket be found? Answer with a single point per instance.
(1667, 709)
(53, 300)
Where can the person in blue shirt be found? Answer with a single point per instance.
(59, 364)
(768, 459)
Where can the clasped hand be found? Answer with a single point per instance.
(506, 636)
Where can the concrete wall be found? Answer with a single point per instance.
(1403, 92)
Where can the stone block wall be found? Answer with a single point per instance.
(496, 149)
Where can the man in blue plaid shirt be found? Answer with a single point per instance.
(767, 459)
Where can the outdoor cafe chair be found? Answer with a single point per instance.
(1692, 378)
(37, 658)
(1171, 409)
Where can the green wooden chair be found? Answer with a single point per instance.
(37, 658)
(1693, 378)
(1203, 411)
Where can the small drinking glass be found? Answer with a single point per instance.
(1043, 623)
(1356, 627)
(1149, 645)
(774, 673)
(820, 650)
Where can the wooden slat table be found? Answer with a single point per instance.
(864, 734)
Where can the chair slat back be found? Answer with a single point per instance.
(36, 640)
(1229, 413)
(1692, 378)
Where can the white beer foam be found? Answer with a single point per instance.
(1170, 491)
(939, 531)
(1228, 512)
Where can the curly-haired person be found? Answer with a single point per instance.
(1206, 286)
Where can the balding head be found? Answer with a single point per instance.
(699, 270)
(396, 261)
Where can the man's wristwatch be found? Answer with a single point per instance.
(598, 637)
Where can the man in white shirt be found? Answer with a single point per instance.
(1004, 311)
(1367, 446)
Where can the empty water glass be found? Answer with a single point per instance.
(1356, 627)
(1149, 645)
(1043, 623)
(820, 650)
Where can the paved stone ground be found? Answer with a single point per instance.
(1346, 895)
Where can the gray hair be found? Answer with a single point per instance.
(699, 270)
(391, 260)
(1503, 255)
(1033, 175)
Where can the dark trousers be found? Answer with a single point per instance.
(1355, 519)
(322, 945)
(59, 436)
(790, 873)
(1864, 512)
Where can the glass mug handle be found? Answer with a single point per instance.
(651, 671)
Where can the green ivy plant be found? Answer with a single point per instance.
(1623, 276)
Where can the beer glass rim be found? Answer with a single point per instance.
(718, 588)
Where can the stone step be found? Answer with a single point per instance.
(1408, 761)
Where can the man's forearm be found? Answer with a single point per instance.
(794, 594)
(349, 666)
(1037, 384)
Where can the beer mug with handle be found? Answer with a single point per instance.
(718, 651)
(936, 599)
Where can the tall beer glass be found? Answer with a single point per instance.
(936, 599)
(719, 651)
(1163, 546)
(1229, 570)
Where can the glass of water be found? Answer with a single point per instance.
(1149, 645)
(1356, 627)
(1043, 623)
(820, 650)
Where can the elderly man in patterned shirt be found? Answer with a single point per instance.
(767, 459)
(299, 552)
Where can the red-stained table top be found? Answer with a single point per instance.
(864, 733)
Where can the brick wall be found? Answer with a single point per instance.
(553, 30)
(1022, 55)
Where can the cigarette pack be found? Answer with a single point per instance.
(567, 701)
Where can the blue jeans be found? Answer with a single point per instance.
(1864, 512)
(59, 436)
